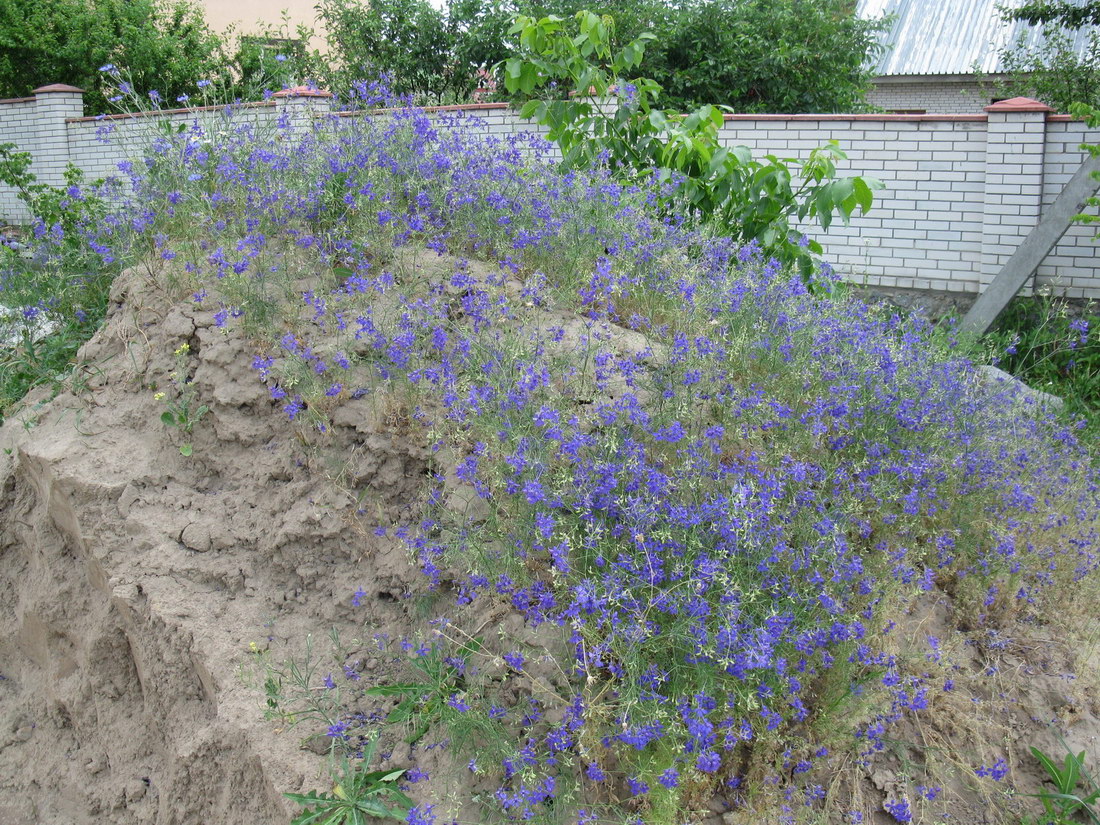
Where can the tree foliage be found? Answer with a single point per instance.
(752, 55)
(1054, 70)
(430, 53)
(1072, 15)
(164, 44)
(786, 56)
(602, 112)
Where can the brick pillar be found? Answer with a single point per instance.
(302, 105)
(52, 105)
(1015, 142)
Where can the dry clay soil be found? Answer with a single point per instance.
(134, 581)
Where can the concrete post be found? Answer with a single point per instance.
(1022, 265)
(1015, 142)
(53, 104)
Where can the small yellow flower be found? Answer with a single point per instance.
(159, 396)
(182, 349)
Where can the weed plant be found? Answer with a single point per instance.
(1044, 343)
(707, 491)
(1075, 792)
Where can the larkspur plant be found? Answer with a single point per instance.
(1045, 343)
(53, 285)
(707, 488)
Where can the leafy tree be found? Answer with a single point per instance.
(271, 56)
(432, 54)
(753, 55)
(404, 39)
(1053, 70)
(632, 17)
(1072, 15)
(601, 111)
(785, 56)
(479, 29)
(163, 44)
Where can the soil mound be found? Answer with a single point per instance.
(134, 581)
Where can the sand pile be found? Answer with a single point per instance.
(133, 580)
(136, 584)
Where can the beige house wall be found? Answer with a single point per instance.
(244, 15)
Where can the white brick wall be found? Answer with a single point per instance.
(1073, 266)
(961, 192)
(18, 125)
(925, 229)
(930, 94)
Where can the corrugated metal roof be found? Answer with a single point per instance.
(950, 36)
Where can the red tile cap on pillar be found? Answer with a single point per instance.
(57, 87)
(1019, 104)
(302, 91)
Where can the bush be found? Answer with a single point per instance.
(784, 56)
(1048, 346)
(758, 56)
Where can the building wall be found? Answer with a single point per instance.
(244, 15)
(962, 191)
(1072, 265)
(929, 95)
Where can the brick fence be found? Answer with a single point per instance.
(962, 190)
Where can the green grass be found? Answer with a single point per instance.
(1046, 344)
(67, 306)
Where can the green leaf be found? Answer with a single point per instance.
(185, 450)
(378, 777)
(1072, 772)
(311, 798)
(842, 190)
(308, 817)
(863, 194)
(527, 79)
(401, 798)
(1047, 763)
(1061, 797)
(168, 418)
(513, 70)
